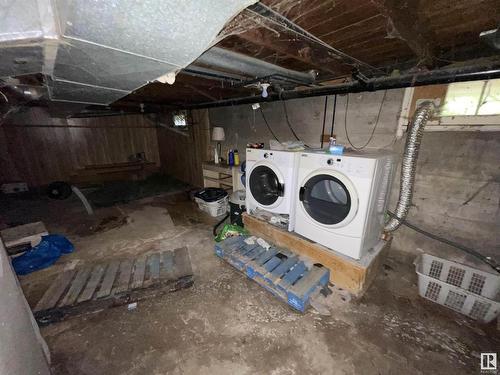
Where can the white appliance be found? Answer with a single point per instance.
(341, 200)
(271, 182)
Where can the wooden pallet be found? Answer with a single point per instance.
(279, 271)
(353, 275)
(96, 287)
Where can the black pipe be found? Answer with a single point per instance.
(333, 114)
(324, 121)
(441, 76)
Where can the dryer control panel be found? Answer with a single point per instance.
(350, 166)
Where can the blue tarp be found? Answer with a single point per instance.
(43, 255)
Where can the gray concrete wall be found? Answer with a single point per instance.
(242, 124)
(457, 189)
(22, 347)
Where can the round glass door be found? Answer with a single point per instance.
(265, 185)
(326, 199)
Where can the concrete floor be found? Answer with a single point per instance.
(225, 323)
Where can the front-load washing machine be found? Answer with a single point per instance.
(341, 200)
(271, 182)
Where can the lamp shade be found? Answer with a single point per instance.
(218, 134)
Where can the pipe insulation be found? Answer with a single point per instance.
(409, 164)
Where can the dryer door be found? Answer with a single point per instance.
(329, 199)
(265, 185)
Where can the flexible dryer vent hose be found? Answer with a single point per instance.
(409, 164)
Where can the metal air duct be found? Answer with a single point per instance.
(409, 164)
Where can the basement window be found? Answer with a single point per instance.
(464, 106)
(180, 120)
(477, 98)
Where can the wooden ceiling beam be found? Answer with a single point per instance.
(405, 20)
(312, 55)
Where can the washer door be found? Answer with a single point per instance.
(329, 199)
(265, 185)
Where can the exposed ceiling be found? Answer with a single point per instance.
(336, 37)
(341, 41)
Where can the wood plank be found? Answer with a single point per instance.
(109, 278)
(293, 275)
(76, 287)
(23, 234)
(352, 275)
(182, 263)
(124, 276)
(95, 278)
(310, 279)
(55, 291)
(167, 266)
(154, 270)
(139, 272)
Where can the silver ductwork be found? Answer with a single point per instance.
(409, 164)
(96, 52)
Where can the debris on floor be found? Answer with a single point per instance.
(17, 239)
(43, 255)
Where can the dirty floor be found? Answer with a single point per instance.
(225, 323)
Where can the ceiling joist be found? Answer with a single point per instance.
(404, 22)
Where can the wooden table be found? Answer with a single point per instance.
(221, 176)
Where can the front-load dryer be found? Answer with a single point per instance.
(341, 200)
(271, 182)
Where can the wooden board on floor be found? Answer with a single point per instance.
(352, 275)
(23, 234)
(94, 288)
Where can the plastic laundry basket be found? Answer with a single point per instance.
(213, 201)
(459, 287)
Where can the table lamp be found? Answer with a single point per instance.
(218, 135)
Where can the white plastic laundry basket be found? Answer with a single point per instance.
(217, 208)
(459, 287)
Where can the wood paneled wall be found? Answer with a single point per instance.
(42, 154)
(182, 154)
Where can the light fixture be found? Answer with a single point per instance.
(218, 135)
(264, 87)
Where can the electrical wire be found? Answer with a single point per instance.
(374, 127)
(290, 125)
(456, 245)
(267, 124)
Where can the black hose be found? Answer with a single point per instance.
(267, 124)
(218, 224)
(290, 125)
(333, 114)
(456, 245)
